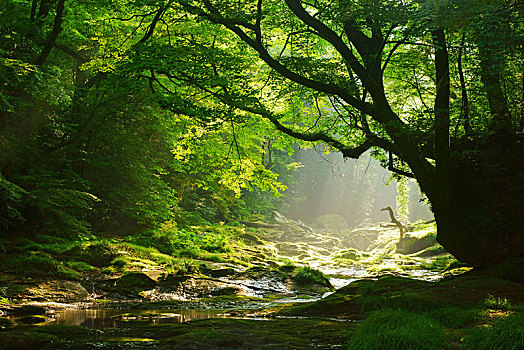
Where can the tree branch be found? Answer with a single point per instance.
(329, 35)
(57, 28)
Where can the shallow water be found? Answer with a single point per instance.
(107, 318)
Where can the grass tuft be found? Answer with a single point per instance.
(506, 333)
(395, 329)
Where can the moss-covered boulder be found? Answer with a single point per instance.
(26, 340)
(134, 282)
(413, 244)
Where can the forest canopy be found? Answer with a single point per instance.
(117, 116)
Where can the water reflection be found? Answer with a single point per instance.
(112, 318)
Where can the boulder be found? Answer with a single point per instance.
(410, 244)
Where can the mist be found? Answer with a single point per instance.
(354, 188)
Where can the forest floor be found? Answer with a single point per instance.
(286, 287)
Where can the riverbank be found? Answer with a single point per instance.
(283, 287)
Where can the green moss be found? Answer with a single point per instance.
(397, 329)
(440, 263)
(350, 254)
(425, 226)
(99, 253)
(306, 274)
(80, 266)
(26, 340)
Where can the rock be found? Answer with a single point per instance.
(6, 323)
(409, 244)
(28, 309)
(224, 272)
(350, 254)
(279, 218)
(135, 280)
(59, 291)
(251, 238)
(226, 291)
(34, 319)
(434, 250)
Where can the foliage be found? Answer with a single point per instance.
(397, 329)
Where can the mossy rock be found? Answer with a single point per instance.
(305, 276)
(135, 281)
(350, 254)
(6, 323)
(33, 319)
(410, 244)
(28, 310)
(434, 250)
(223, 272)
(251, 238)
(26, 340)
(99, 254)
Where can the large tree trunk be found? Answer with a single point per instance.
(483, 223)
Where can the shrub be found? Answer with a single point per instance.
(506, 333)
(392, 329)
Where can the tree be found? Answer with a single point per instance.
(87, 142)
(361, 74)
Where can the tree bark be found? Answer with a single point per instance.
(483, 223)
(463, 90)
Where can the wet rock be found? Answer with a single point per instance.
(58, 291)
(27, 309)
(33, 319)
(226, 291)
(224, 272)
